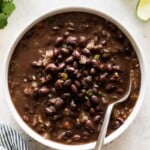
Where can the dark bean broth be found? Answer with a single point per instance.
(66, 70)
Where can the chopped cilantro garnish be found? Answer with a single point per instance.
(97, 57)
(6, 8)
(89, 92)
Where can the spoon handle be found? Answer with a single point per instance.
(104, 127)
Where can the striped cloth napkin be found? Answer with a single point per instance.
(10, 140)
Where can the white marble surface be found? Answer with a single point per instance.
(137, 136)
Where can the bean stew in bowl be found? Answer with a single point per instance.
(66, 70)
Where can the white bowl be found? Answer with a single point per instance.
(88, 146)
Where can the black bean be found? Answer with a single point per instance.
(76, 54)
(76, 137)
(92, 111)
(97, 119)
(92, 71)
(56, 117)
(95, 90)
(43, 91)
(59, 83)
(77, 83)
(117, 123)
(64, 50)
(59, 40)
(110, 87)
(66, 95)
(67, 82)
(70, 69)
(116, 68)
(56, 28)
(95, 99)
(72, 40)
(89, 124)
(103, 76)
(59, 102)
(61, 66)
(74, 88)
(88, 104)
(69, 59)
(60, 57)
(94, 62)
(82, 40)
(51, 67)
(84, 83)
(50, 110)
(109, 67)
(78, 125)
(85, 72)
(68, 133)
(120, 90)
(86, 51)
(75, 64)
(51, 101)
(56, 52)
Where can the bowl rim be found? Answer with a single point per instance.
(91, 145)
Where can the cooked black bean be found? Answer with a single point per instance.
(92, 71)
(69, 59)
(61, 66)
(76, 137)
(59, 102)
(110, 87)
(44, 90)
(70, 69)
(74, 88)
(68, 133)
(51, 67)
(67, 82)
(85, 51)
(82, 40)
(65, 50)
(59, 83)
(77, 83)
(50, 110)
(56, 28)
(89, 124)
(72, 40)
(59, 41)
(97, 118)
(76, 54)
(95, 99)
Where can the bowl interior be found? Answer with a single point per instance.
(89, 146)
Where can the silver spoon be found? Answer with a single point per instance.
(105, 124)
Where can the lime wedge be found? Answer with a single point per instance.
(143, 9)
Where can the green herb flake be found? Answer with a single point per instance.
(86, 97)
(97, 57)
(6, 9)
(89, 92)
(64, 76)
